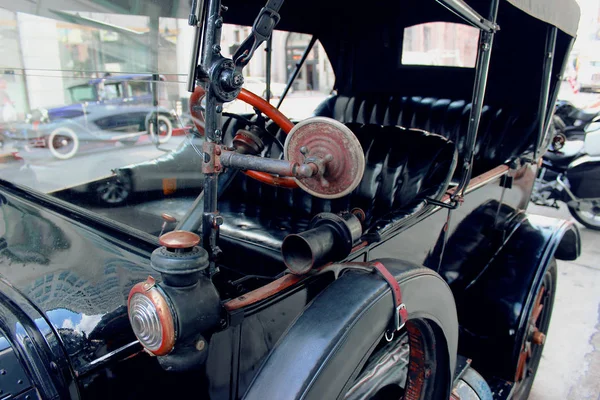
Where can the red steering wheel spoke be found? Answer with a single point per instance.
(263, 106)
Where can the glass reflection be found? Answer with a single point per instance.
(95, 105)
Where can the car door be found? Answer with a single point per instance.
(116, 116)
(139, 101)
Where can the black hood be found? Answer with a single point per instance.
(78, 278)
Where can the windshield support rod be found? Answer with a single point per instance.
(210, 59)
(463, 10)
(486, 41)
(195, 19)
(299, 65)
(546, 81)
(268, 49)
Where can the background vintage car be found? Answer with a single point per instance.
(115, 108)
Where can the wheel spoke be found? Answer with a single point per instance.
(537, 308)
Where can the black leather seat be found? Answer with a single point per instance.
(561, 159)
(403, 168)
(500, 128)
(586, 115)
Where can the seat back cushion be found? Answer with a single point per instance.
(402, 168)
(503, 133)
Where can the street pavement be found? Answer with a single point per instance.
(570, 366)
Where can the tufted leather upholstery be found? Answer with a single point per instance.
(403, 167)
(499, 128)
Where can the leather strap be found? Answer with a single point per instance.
(263, 26)
(400, 312)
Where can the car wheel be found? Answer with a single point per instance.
(164, 131)
(384, 374)
(63, 143)
(534, 339)
(589, 218)
(114, 191)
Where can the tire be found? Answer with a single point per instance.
(63, 143)
(332, 347)
(392, 357)
(590, 220)
(115, 191)
(544, 295)
(165, 129)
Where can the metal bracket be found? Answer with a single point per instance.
(452, 205)
(263, 26)
(506, 181)
(211, 151)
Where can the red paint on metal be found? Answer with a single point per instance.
(416, 367)
(281, 120)
(179, 240)
(195, 107)
(255, 101)
(323, 139)
(264, 292)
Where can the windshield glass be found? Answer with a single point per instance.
(131, 152)
(83, 93)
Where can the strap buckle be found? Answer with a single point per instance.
(400, 317)
(262, 28)
(400, 312)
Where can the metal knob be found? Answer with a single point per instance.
(538, 338)
(179, 240)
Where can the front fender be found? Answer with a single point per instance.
(493, 308)
(323, 350)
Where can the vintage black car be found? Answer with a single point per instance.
(380, 249)
(117, 108)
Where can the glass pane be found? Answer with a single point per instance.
(86, 117)
(440, 43)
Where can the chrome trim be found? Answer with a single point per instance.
(566, 187)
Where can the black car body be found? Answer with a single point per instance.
(443, 284)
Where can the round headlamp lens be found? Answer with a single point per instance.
(145, 321)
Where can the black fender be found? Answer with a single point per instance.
(324, 348)
(493, 308)
(38, 354)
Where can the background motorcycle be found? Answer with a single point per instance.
(572, 121)
(571, 173)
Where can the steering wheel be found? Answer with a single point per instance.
(263, 106)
